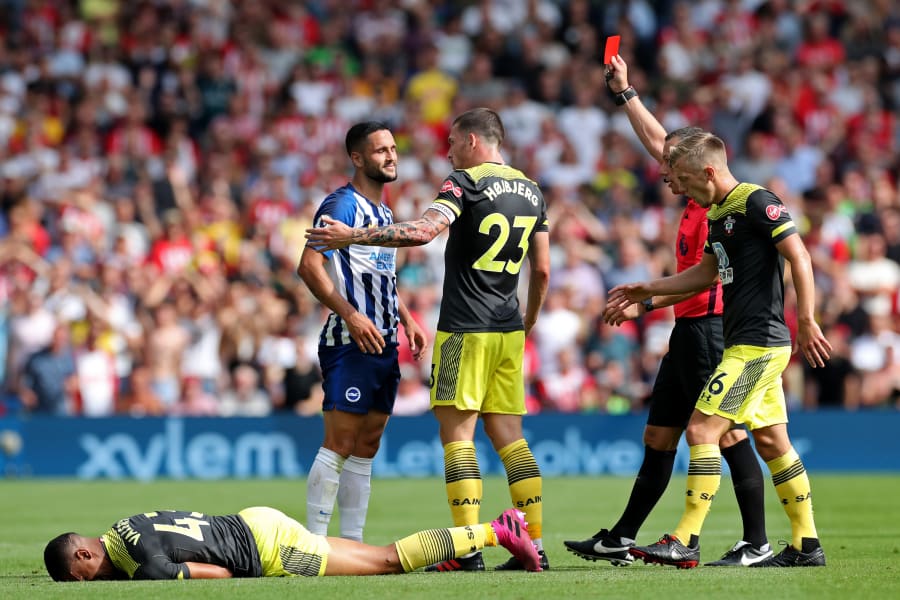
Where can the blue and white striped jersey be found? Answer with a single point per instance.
(364, 275)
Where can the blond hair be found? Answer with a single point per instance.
(698, 150)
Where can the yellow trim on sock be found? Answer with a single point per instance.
(776, 465)
(464, 485)
(508, 449)
(794, 491)
(704, 477)
(437, 545)
(525, 485)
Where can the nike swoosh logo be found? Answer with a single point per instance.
(599, 546)
(746, 562)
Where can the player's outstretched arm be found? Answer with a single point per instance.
(810, 340)
(648, 129)
(207, 571)
(617, 316)
(336, 235)
(692, 280)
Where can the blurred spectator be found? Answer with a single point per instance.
(32, 327)
(871, 273)
(571, 388)
(49, 380)
(244, 397)
(431, 89)
(166, 342)
(97, 380)
(195, 400)
(172, 153)
(559, 328)
(302, 385)
(876, 355)
(138, 398)
(838, 384)
(413, 397)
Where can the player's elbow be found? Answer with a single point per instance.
(303, 272)
(305, 269)
(540, 274)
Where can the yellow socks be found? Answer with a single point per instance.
(437, 545)
(464, 485)
(704, 476)
(525, 485)
(792, 487)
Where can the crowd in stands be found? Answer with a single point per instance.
(161, 159)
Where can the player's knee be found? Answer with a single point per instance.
(732, 437)
(700, 433)
(770, 443)
(662, 439)
(367, 448)
(340, 445)
(503, 431)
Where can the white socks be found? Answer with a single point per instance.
(353, 496)
(322, 489)
(347, 480)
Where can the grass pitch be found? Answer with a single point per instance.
(858, 518)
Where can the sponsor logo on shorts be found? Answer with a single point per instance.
(352, 394)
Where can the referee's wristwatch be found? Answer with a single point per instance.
(648, 304)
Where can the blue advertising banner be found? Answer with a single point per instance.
(284, 446)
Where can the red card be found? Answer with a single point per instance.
(612, 48)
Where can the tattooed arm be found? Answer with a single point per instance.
(334, 234)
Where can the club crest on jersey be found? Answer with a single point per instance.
(729, 225)
(449, 187)
(773, 211)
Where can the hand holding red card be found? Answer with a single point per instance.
(612, 48)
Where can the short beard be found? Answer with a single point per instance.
(379, 176)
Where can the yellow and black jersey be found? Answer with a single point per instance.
(156, 545)
(743, 231)
(494, 211)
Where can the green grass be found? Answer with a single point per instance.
(858, 519)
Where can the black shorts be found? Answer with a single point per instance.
(695, 349)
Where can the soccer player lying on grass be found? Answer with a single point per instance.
(263, 542)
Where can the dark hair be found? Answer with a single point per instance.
(683, 132)
(483, 122)
(57, 556)
(357, 134)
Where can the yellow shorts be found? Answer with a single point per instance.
(746, 386)
(479, 371)
(286, 548)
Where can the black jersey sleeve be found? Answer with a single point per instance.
(449, 200)
(769, 216)
(161, 567)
